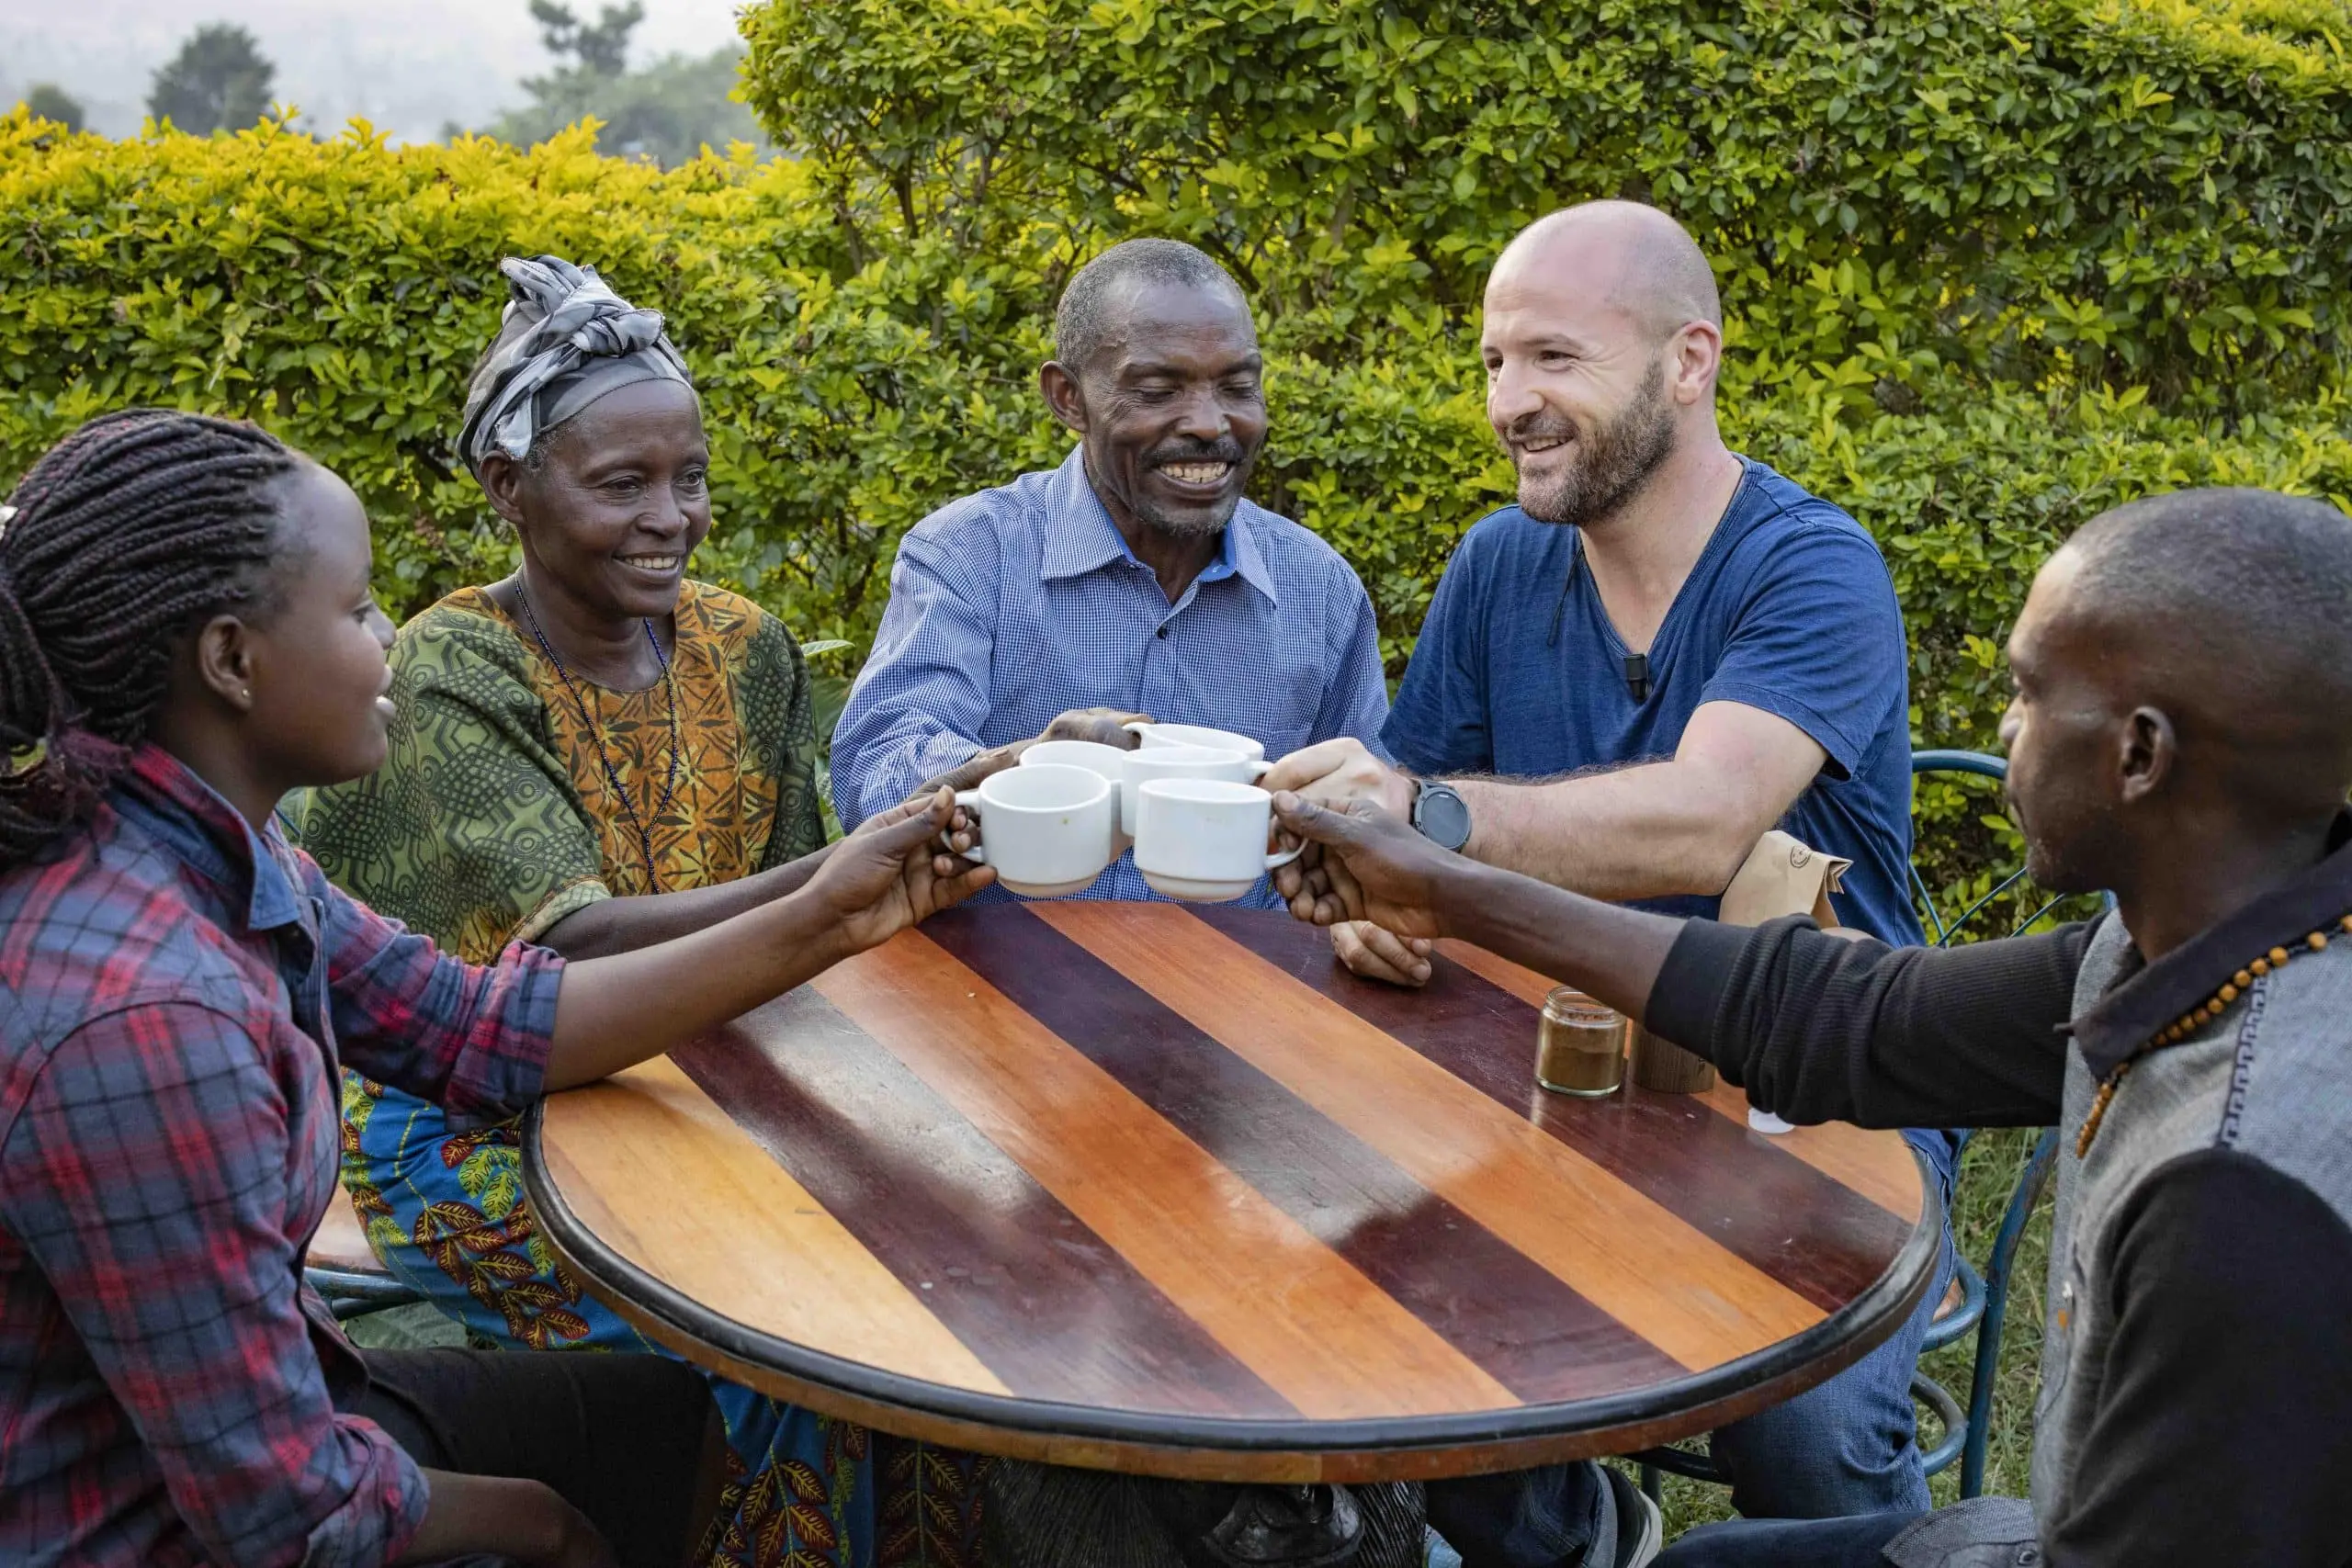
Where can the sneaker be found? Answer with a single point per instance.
(1641, 1529)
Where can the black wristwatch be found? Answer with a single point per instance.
(1440, 816)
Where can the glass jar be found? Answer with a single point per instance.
(1579, 1045)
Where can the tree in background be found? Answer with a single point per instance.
(667, 112)
(219, 81)
(50, 102)
(601, 49)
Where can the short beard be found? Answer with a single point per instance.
(1195, 524)
(1617, 460)
(1191, 525)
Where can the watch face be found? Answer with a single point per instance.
(1445, 821)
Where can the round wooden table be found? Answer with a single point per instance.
(1163, 1190)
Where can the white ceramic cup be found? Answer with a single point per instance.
(1147, 762)
(1199, 735)
(1204, 841)
(1095, 757)
(1046, 828)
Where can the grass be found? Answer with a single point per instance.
(1988, 1173)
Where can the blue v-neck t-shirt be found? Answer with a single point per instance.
(1520, 674)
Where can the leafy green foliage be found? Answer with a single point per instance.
(2127, 195)
(219, 81)
(1989, 269)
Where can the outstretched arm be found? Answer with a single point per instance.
(1815, 1027)
(614, 1012)
(1651, 830)
(485, 1040)
(624, 924)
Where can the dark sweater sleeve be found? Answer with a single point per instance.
(2223, 1431)
(1820, 1029)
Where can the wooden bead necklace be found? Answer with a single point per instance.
(2189, 1023)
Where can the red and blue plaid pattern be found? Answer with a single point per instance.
(175, 992)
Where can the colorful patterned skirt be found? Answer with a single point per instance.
(446, 1213)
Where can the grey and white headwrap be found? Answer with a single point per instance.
(581, 341)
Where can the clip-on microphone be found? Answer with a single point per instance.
(1637, 675)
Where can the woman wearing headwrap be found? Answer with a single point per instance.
(593, 755)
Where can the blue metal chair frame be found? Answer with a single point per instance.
(1985, 1297)
(350, 1294)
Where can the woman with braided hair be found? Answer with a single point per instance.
(595, 753)
(186, 636)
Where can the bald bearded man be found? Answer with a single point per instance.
(1663, 651)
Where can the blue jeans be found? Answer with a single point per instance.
(1846, 1446)
(1788, 1544)
(1558, 1517)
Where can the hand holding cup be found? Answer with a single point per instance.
(888, 876)
(1104, 726)
(1113, 728)
(1337, 772)
(1377, 868)
(1332, 773)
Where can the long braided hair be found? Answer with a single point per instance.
(126, 535)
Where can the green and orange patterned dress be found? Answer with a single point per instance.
(494, 819)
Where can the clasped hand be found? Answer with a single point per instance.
(1338, 772)
(1369, 866)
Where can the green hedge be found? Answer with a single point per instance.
(2156, 192)
(1990, 267)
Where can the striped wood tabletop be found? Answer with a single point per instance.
(1163, 1190)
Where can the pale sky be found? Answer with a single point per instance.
(408, 65)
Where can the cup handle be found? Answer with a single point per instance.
(1258, 770)
(969, 800)
(1136, 727)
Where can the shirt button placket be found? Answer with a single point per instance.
(1159, 655)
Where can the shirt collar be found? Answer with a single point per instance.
(193, 823)
(1080, 536)
(2155, 996)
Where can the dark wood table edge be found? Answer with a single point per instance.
(1203, 1448)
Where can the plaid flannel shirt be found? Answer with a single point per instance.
(175, 993)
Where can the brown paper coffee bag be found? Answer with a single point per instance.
(1781, 876)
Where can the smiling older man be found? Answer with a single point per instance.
(1133, 580)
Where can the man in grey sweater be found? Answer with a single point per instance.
(2181, 736)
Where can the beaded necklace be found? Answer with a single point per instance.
(611, 774)
(2189, 1023)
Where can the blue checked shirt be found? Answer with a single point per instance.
(1018, 603)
